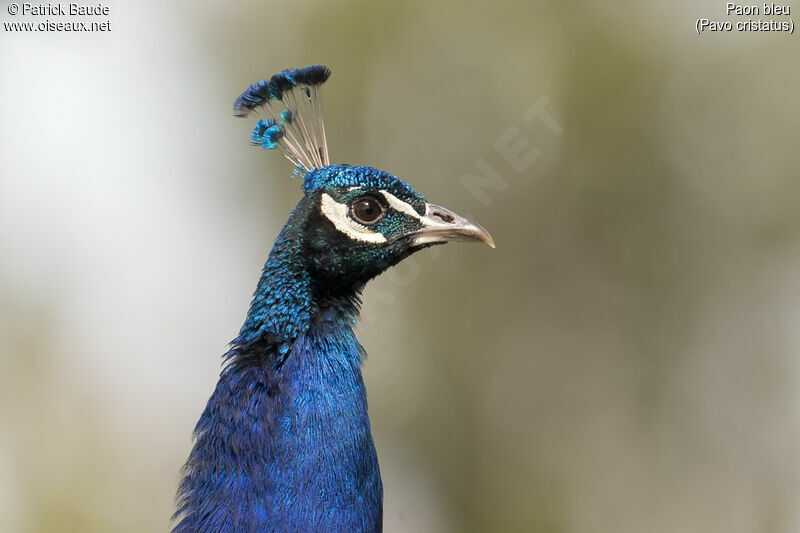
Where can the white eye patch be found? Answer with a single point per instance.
(339, 215)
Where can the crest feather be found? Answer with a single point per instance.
(290, 115)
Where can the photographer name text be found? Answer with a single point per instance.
(66, 10)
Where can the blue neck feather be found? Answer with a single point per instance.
(284, 443)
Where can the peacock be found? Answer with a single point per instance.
(284, 443)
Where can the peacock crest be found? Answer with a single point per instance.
(290, 112)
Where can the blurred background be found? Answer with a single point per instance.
(626, 360)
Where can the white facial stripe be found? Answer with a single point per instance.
(353, 188)
(338, 214)
(399, 205)
(404, 207)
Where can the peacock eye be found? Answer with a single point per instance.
(366, 210)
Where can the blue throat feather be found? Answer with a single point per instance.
(284, 443)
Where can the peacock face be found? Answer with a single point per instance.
(362, 220)
(355, 222)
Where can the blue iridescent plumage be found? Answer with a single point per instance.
(284, 444)
(274, 87)
(266, 133)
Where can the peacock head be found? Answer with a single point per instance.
(353, 221)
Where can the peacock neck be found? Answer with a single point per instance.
(285, 442)
(289, 300)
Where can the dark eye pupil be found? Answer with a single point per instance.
(367, 210)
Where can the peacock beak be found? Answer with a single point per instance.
(442, 225)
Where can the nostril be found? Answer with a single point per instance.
(443, 216)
